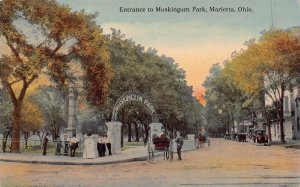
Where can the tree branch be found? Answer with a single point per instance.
(15, 52)
(23, 92)
(270, 95)
(15, 82)
(32, 79)
(59, 45)
(10, 91)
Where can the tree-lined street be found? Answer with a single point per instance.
(78, 90)
(225, 163)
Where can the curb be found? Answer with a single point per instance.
(135, 159)
(143, 158)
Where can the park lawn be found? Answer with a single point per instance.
(129, 145)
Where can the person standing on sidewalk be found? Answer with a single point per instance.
(45, 142)
(150, 147)
(179, 142)
(73, 145)
(103, 147)
(66, 141)
(108, 145)
(99, 141)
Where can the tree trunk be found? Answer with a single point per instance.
(16, 129)
(269, 129)
(54, 133)
(281, 116)
(146, 131)
(17, 102)
(136, 132)
(40, 137)
(129, 132)
(5, 138)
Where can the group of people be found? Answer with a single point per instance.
(102, 143)
(92, 145)
(179, 143)
(69, 145)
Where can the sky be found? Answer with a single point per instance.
(196, 40)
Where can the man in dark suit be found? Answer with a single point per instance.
(179, 142)
(45, 142)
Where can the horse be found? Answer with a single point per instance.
(202, 139)
(150, 147)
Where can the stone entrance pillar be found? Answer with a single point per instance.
(155, 128)
(114, 136)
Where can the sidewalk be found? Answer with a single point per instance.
(138, 153)
(295, 144)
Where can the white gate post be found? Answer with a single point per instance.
(114, 136)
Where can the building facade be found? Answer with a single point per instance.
(291, 109)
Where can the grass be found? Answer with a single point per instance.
(134, 143)
(38, 150)
(129, 145)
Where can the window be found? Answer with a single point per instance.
(286, 104)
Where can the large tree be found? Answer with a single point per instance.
(157, 77)
(52, 106)
(269, 66)
(43, 36)
(32, 120)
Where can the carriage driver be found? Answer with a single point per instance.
(203, 132)
(163, 135)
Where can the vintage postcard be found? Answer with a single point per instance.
(149, 93)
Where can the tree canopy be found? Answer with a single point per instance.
(45, 37)
(268, 67)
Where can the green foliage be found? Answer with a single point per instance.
(53, 108)
(90, 120)
(157, 77)
(224, 101)
(6, 109)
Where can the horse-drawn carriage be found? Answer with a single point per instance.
(260, 137)
(241, 137)
(159, 144)
(203, 138)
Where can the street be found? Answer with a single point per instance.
(225, 163)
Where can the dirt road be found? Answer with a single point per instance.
(225, 163)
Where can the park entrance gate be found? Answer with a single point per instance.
(114, 126)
